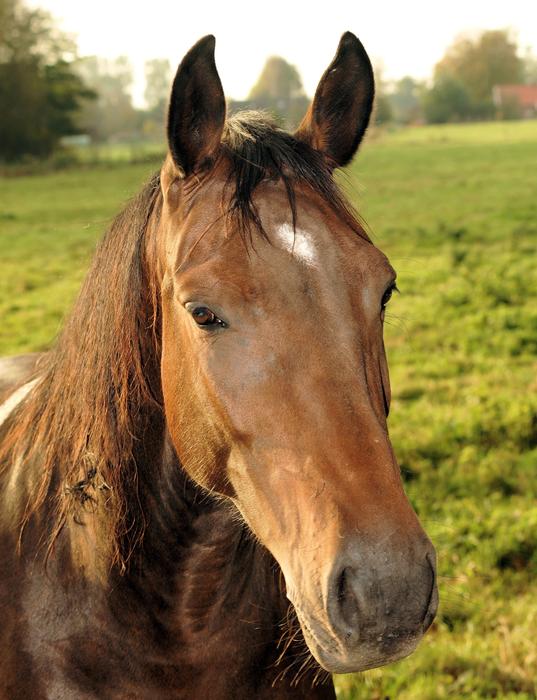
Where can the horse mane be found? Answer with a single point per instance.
(88, 410)
(99, 389)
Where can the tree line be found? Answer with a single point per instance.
(48, 92)
(462, 85)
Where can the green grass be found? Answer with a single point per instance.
(49, 225)
(475, 133)
(455, 209)
(139, 152)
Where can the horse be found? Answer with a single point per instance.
(199, 497)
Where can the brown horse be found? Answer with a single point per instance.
(199, 495)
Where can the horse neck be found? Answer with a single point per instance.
(182, 539)
(191, 534)
(199, 560)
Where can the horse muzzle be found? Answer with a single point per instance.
(373, 613)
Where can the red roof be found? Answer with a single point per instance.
(526, 95)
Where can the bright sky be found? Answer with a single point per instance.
(407, 36)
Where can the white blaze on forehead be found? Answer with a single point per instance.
(298, 242)
(14, 400)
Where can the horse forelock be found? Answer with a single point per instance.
(258, 150)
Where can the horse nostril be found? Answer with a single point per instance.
(382, 606)
(347, 604)
(432, 603)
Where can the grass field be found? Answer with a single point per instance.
(455, 209)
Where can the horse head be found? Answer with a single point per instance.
(274, 373)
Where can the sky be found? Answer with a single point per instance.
(406, 37)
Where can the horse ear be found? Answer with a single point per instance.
(197, 109)
(339, 114)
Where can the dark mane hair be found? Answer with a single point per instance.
(82, 420)
(259, 150)
(99, 388)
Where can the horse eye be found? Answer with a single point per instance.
(388, 295)
(205, 317)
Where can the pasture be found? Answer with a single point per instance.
(455, 209)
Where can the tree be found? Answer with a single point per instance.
(405, 100)
(278, 81)
(382, 108)
(278, 90)
(112, 113)
(530, 68)
(39, 91)
(477, 65)
(447, 101)
(158, 78)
